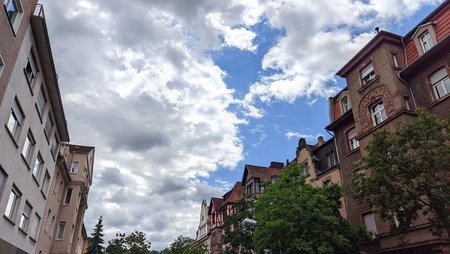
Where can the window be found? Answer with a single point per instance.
(331, 159)
(378, 113)
(61, 227)
(425, 41)
(369, 222)
(367, 74)
(74, 167)
(28, 147)
(30, 69)
(24, 219)
(41, 101)
(54, 146)
(344, 104)
(34, 225)
(249, 189)
(2, 64)
(15, 119)
(38, 165)
(353, 142)
(13, 203)
(440, 82)
(48, 126)
(68, 196)
(13, 9)
(305, 171)
(394, 60)
(3, 177)
(45, 183)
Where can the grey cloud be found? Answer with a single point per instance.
(112, 176)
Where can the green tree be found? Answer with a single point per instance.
(407, 172)
(294, 217)
(134, 243)
(96, 241)
(236, 235)
(182, 245)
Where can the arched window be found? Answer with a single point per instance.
(440, 83)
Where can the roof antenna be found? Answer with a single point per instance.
(377, 29)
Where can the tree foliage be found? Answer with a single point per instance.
(238, 237)
(294, 217)
(183, 245)
(408, 173)
(134, 243)
(96, 241)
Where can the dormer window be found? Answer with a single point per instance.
(367, 74)
(425, 41)
(344, 104)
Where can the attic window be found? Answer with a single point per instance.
(344, 104)
(425, 41)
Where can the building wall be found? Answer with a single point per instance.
(19, 170)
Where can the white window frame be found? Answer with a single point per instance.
(46, 183)
(345, 105)
(41, 101)
(351, 137)
(14, 19)
(367, 74)
(440, 82)
(38, 166)
(426, 41)
(13, 203)
(378, 113)
(28, 147)
(25, 217)
(15, 120)
(74, 167)
(369, 222)
(394, 60)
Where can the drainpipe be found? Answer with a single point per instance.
(404, 81)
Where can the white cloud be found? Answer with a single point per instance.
(138, 83)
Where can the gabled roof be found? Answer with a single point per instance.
(262, 173)
(234, 195)
(215, 204)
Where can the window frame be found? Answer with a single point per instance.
(12, 206)
(14, 21)
(68, 196)
(40, 167)
(31, 70)
(366, 78)
(25, 217)
(345, 106)
(16, 119)
(375, 232)
(375, 110)
(28, 147)
(74, 170)
(60, 234)
(46, 183)
(426, 44)
(351, 136)
(441, 81)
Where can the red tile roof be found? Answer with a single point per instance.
(234, 195)
(262, 173)
(215, 204)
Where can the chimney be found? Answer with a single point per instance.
(274, 164)
(320, 141)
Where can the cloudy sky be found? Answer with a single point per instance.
(177, 95)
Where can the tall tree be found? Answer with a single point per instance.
(96, 241)
(238, 236)
(134, 243)
(407, 173)
(180, 244)
(294, 217)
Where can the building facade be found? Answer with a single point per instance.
(203, 229)
(386, 82)
(33, 135)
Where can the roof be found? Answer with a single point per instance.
(234, 195)
(445, 5)
(262, 173)
(80, 148)
(367, 49)
(215, 204)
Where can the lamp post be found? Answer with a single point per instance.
(254, 223)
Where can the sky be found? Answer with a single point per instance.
(178, 95)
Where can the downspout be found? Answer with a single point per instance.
(404, 81)
(340, 174)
